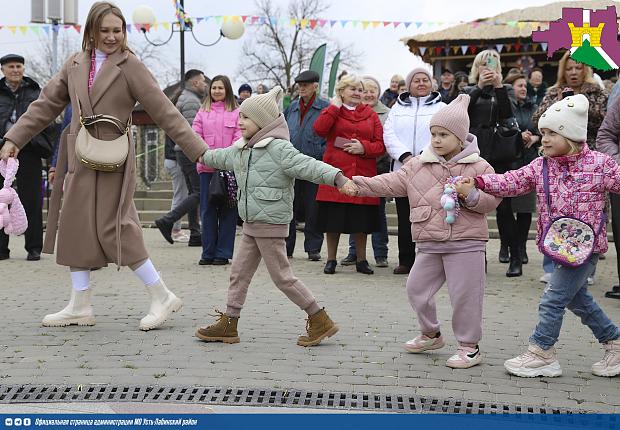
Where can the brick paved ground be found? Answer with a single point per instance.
(365, 356)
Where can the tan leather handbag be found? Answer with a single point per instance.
(103, 155)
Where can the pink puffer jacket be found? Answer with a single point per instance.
(577, 184)
(219, 128)
(422, 179)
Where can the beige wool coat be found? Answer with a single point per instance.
(99, 223)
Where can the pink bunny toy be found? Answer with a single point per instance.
(12, 214)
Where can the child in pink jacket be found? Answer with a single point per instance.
(445, 251)
(578, 181)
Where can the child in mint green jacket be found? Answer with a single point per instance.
(266, 165)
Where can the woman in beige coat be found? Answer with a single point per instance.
(99, 223)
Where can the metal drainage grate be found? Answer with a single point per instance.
(261, 397)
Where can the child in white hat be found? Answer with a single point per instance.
(266, 165)
(578, 180)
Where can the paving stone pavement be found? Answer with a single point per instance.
(365, 356)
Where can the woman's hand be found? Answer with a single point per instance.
(354, 147)
(497, 80)
(349, 189)
(51, 175)
(9, 149)
(529, 139)
(487, 77)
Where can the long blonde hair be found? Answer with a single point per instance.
(561, 79)
(481, 60)
(93, 22)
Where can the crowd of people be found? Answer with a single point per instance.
(448, 150)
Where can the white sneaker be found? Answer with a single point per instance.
(78, 312)
(424, 343)
(546, 278)
(590, 280)
(465, 358)
(610, 364)
(534, 362)
(180, 237)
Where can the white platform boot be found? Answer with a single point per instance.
(163, 304)
(79, 311)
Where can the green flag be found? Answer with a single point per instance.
(317, 64)
(333, 74)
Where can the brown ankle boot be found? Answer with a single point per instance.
(318, 326)
(224, 330)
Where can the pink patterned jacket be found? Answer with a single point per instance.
(577, 185)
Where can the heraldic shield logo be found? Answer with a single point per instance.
(591, 36)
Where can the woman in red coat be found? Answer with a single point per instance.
(354, 141)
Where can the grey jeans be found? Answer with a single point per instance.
(179, 188)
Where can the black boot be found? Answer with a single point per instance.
(363, 267)
(504, 257)
(330, 267)
(523, 253)
(515, 268)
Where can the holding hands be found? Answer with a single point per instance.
(9, 149)
(349, 189)
(464, 187)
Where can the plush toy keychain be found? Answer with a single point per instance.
(12, 214)
(450, 199)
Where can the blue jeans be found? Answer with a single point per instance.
(548, 264)
(219, 224)
(379, 238)
(569, 289)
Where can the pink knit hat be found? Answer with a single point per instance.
(414, 72)
(454, 117)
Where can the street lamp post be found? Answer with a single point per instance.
(144, 16)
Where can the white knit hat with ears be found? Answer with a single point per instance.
(568, 118)
(263, 109)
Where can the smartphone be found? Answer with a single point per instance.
(491, 62)
(339, 142)
(567, 92)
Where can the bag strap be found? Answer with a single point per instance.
(545, 171)
(93, 119)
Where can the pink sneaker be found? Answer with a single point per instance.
(465, 358)
(534, 362)
(424, 343)
(610, 364)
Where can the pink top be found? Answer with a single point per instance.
(218, 128)
(577, 183)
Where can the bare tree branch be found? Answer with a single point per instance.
(277, 53)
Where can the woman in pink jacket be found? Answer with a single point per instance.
(578, 181)
(217, 123)
(447, 247)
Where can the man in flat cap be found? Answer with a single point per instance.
(16, 93)
(300, 116)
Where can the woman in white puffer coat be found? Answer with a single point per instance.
(406, 134)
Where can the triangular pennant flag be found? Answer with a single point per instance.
(313, 23)
(422, 50)
(356, 23)
(155, 25)
(455, 49)
(386, 23)
(34, 28)
(46, 28)
(534, 24)
(66, 26)
(396, 24)
(322, 22)
(473, 49)
(463, 49)
(526, 47)
(166, 25)
(438, 50)
(218, 19)
(544, 46)
(198, 19)
(499, 47)
(446, 51)
(419, 24)
(333, 22)
(128, 29)
(23, 29)
(365, 24)
(517, 46)
(77, 28)
(293, 22)
(511, 23)
(535, 46)
(273, 20)
(343, 22)
(12, 28)
(520, 25)
(304, 23)
(376, 24)
(407, 24)
(225, 19)
(147, 27)
(475, 24)
(243, 18)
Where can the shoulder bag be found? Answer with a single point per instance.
(506, 142)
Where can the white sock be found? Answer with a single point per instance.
(80, 280)
(147, 273)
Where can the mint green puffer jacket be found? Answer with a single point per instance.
(266, 174)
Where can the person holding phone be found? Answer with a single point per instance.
(490, 103)
(354, 141)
